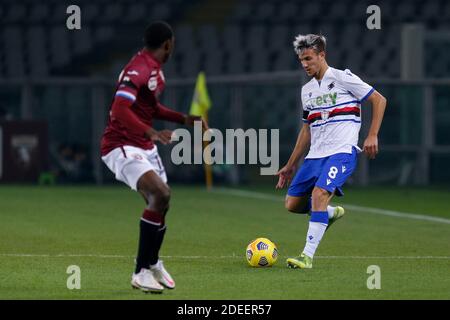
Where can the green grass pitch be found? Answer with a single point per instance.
(44, 230)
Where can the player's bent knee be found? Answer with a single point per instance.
(289, 205)
(162, 198)
(295, 206)
(157, 200)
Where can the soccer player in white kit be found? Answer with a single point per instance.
(332, 119)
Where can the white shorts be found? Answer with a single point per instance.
(130, 163)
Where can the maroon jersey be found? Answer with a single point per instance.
(140, 84)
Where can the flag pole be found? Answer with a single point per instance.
(199, 107)
(207, 166)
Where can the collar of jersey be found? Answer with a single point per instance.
(149, 56)
(319, 82)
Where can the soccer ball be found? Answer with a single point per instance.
(261, 252)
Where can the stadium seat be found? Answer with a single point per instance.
(242, 12)
(36, 51)
(258, 61)
(287, 12)
(103, 33)
(337, 11)
(169, 68)
(59, 47)
(160, 11)
(39, 13)
(135, 12)
(264, 12)
(309, 10)
(16, 13)
(58, 14)
(232, 37)
(406, 11)
(14, 59)
(278, 37)
(430, 10)
(82, 40)
(111, 13)
(236, 62)
(185, 38)
(190, 64)
(255, 38)
(208, 38)
(213, 63)
(90, 13)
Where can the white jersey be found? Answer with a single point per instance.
(332, 108)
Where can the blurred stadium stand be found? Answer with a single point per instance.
(249, 36)
(230, 40)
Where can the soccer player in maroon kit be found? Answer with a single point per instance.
(129, 151)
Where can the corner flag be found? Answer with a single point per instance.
(200, 102)
(199, 107)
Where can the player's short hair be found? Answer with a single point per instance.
(156, 33)
(309, 41)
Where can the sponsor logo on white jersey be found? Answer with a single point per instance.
(325, 114)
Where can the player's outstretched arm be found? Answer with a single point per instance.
(163, 136)
(164, 113)
(287, 172)
(190, 121)
(378, 106)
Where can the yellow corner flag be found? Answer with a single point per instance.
(199, 107)
(200, 102)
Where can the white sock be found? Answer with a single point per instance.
(330, 210)
(315, 233)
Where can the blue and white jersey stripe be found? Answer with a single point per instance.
(126, 95)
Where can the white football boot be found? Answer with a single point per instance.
(162, 276)
(145, 281)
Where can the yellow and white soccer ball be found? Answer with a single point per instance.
(262, 252)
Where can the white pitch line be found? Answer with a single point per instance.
(391, 213)
(398, 214)
(234, 256)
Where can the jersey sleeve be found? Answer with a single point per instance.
(121, 111)
(164, 113)
(355, 85)
(304, 108)
(130, 80)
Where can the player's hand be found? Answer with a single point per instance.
(163, 136)
(189, 121)
(371, 146)
(285, 176)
